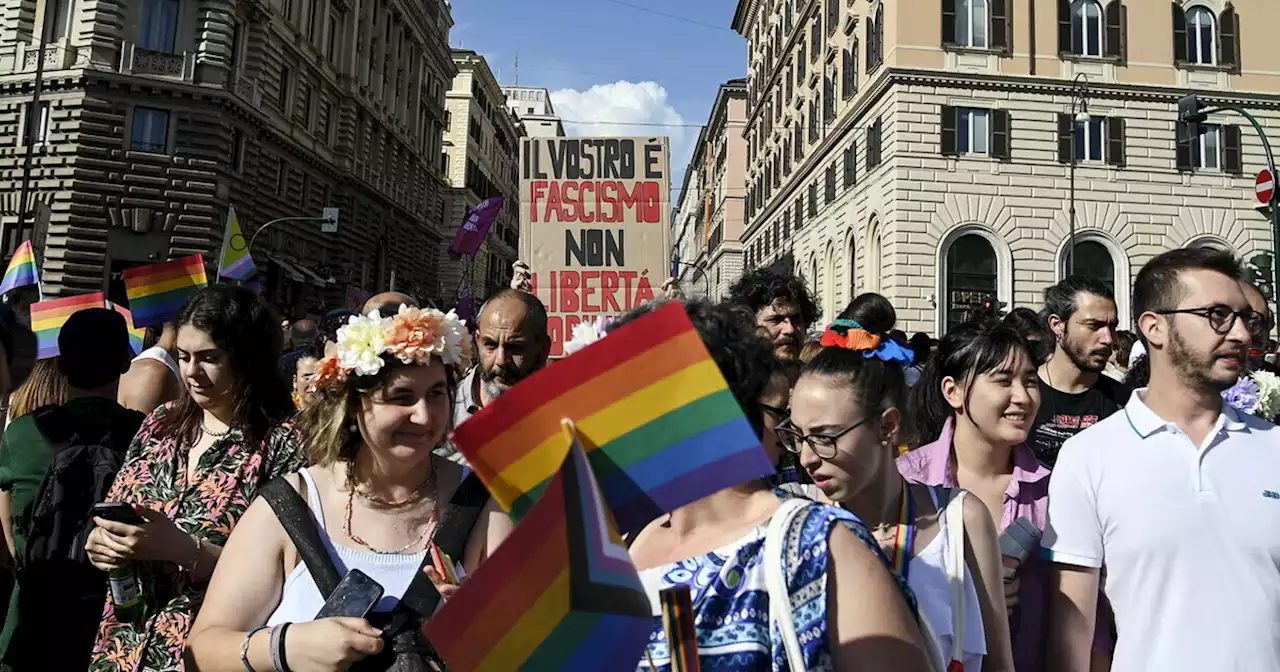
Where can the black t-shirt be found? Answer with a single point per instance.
(1063, 415)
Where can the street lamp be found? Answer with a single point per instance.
(1079, 117)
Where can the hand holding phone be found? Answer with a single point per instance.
(117, 512)
(355, 596)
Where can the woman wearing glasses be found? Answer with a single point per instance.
(845, 421)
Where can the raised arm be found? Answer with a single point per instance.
(871, 626)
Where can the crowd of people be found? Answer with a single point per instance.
(1030, 491)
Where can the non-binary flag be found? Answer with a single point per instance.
(654, 413)
(157, 292)
(47, 318)
(235, 261)
(22, 269)
(137, 337)
(560, 593)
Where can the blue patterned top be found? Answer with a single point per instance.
(731, 601)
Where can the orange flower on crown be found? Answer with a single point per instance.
(329, 371)
(413, 335)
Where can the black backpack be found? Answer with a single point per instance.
(83, 467)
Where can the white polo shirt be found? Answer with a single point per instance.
(1190, 537)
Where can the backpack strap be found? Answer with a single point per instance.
(460, 515)
(296, 518)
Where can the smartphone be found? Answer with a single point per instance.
(444, 567)
(355, 597)
(118, 513)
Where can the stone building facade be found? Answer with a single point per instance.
(159, 115)
(708, 225)
(924, 150)
(482, 148)
(532, 106)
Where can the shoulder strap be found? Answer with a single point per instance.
(297, 519)
(956, 572)
(775, 579)
(421, 597)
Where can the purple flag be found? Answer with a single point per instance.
(474, 228)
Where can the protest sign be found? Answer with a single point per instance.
(594, 226)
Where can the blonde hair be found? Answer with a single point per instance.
(46, 386)
(810, 350)
(327, 425)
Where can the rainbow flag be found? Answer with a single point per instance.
(22, 269)
(136, 336)
(653, 411)
(560, 593)
(235, 262)
(47, 318)
(157, 292)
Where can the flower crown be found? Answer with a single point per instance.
(413, 336)
(586, 333)
(850, 335)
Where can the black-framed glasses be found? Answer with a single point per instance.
(1222, 318)
(780, 415)
(824, 445)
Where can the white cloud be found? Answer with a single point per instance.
(627, 109)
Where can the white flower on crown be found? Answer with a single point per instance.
(412, 336)
(361, 342)
(1268, 393)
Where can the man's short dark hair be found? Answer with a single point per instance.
(535, 312)
(1062, 299)
(1158, 286)
(762, 287)
(93, 348)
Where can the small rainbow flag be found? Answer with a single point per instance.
(656, 417)
(235, 262)
(136, 336)
(157, 292)
(47, 318)
(560, 593)
(22, 269)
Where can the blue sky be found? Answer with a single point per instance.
(606, 60)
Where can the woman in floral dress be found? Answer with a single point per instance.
(191, 472)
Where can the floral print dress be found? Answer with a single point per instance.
(154, 475)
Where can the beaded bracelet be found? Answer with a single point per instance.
(244, 648)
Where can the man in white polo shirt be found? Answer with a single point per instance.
(1176, 495)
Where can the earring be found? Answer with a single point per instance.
(353, 428)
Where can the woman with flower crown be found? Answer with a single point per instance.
(377, 500)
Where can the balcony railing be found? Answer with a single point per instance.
(135, 60)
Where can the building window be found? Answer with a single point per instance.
(800, 211)
(282, 95)
(150, 132)
(829, 99)
(833, 16)
(849, 71)
(1218, 148)
(815, 39)
(830, 184)
(282, 177)
(971, 274)
(813, 122)
(971, 131)
(1086, 28)
(1206, 151)
(971, 23)
(1201, 39)
(42, 128)
(1092, 260)
(331, 35)
(59, 24)
(302, 111)
(237, 150)
(850, 166)
(1088, 139)
(874, 134)
(874, 258)
(159, 26)
(326, 121)
(813, 199)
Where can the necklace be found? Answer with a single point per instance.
(427, 532)
(217, 435)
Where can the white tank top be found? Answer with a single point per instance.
(300, 601)
(160, 355)
(927, 576)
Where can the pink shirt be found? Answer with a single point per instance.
(1027, 497)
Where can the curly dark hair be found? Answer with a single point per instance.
(745, 359)
(760, 288)
(247, 330)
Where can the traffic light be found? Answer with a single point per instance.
(1258, 271)
(1189, 118)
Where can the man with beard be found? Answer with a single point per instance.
(1081, 313)
(1176, 495)
(783, 311)
(1261, 340)
(511, 344)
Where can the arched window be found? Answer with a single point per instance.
(971, 271)
(875, 257)
(1093, 260)
(1201, 47)
(853, 276)
(971, 23)
(1211, 243)
(814, 285)
(1086, 28)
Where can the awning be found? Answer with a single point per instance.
(289, 269)
(315, 277)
